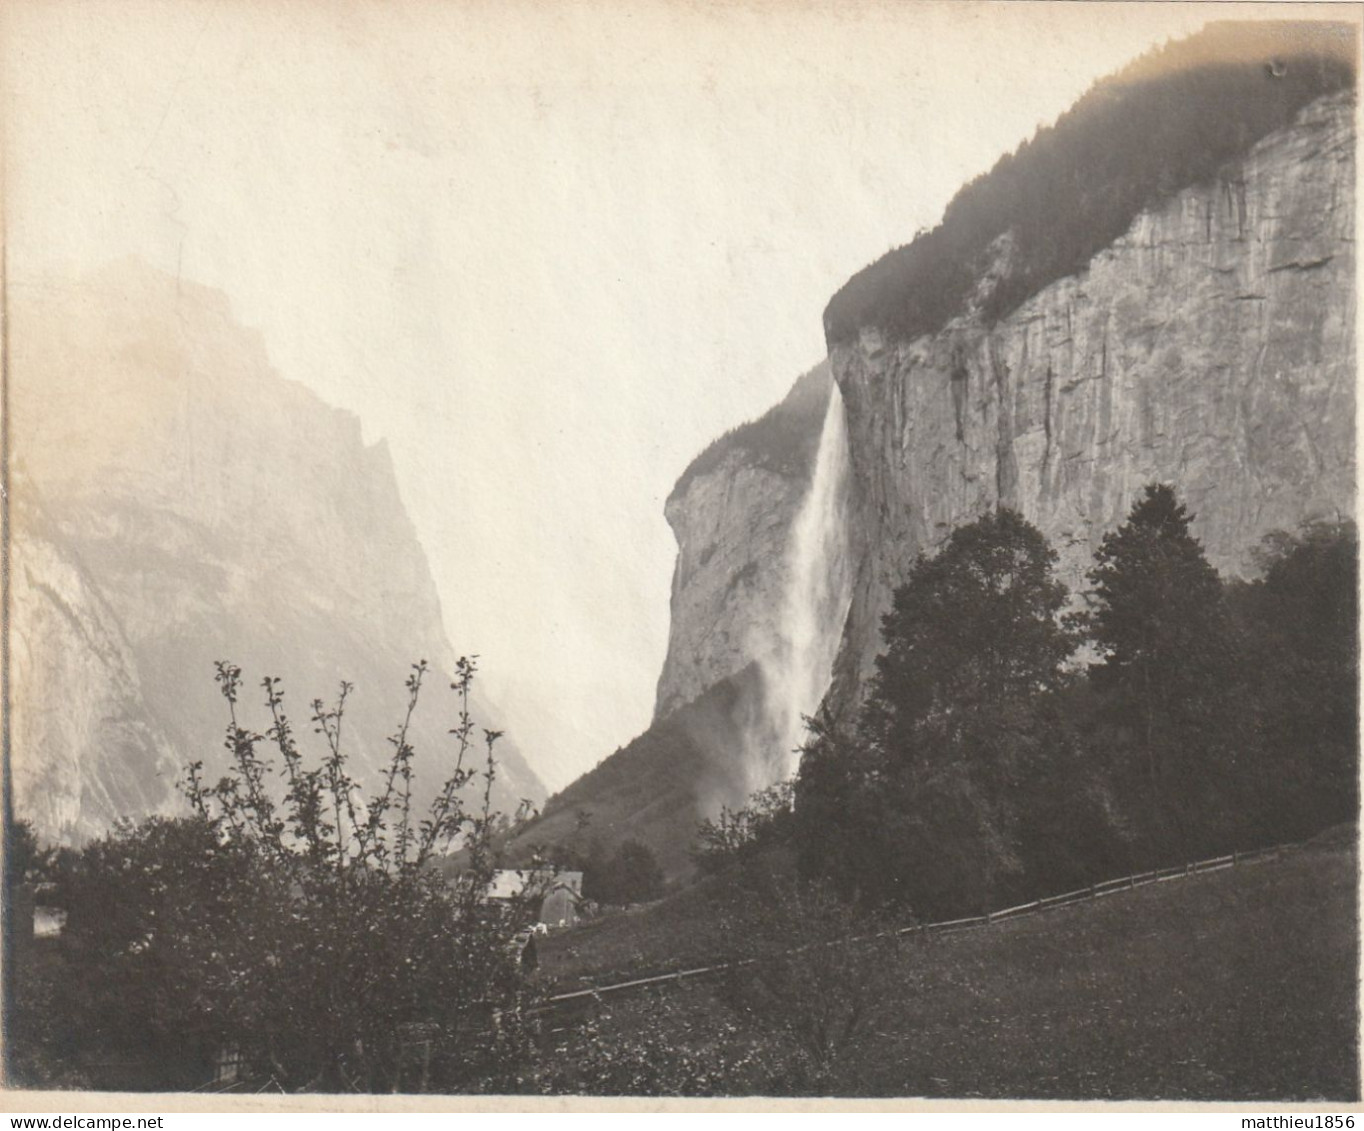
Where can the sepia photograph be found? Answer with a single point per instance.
(679, 549)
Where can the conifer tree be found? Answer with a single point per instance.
(1158, 620)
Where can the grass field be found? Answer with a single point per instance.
(1236, 984)
(683, 931)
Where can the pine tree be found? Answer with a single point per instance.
(977, 624)
(1300, 624)
(1158, 620)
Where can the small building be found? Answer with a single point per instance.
(558, 893)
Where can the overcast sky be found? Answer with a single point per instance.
(547, 250)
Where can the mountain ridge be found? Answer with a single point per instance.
(222, 512)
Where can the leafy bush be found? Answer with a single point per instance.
(303, 923)
(630, 874)
(736, 834)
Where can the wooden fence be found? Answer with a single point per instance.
(580, 998)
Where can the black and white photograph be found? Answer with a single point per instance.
(681, 550)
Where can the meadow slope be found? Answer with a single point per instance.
(1236, 984)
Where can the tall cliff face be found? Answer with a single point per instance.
(731, 513)
(177, 502)
(1159, 287)
(1211, 346)
(86, 746)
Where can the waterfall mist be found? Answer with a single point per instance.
(796, 665)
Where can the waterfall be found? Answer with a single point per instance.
(797, 664)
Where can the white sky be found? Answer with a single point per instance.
(548, 250)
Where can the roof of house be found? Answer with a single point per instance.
(506, 883)
(509, 882)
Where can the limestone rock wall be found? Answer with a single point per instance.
(1212, 346)
(733, 522)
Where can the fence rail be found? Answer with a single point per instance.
(948, 926)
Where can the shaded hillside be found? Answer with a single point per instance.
(199, 507)
(653, 790)
(1202, 988)
(1171, 119)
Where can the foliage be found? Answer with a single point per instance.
(979, 771)
(1153, 594)
(304, 923)
(923, 804)
(154, 938)
(38, 1044)
(1173, 118)
(1299, 624)
(976, 624)
(668, 1043)
(26, 860)
(630, 874)
(736, 834)
(1168, 664)
(799, 974)
(784, 439)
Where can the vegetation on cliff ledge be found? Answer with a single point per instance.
(1173, 118)
(784, 439)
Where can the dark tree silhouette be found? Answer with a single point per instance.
(923, 805)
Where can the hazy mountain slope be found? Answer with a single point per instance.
(655, 788)
(217, 511)
(87, 749)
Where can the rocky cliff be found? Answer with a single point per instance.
(1161, 286)
(731, 512)
(86, 746)
(177, 502)
(1210, 346)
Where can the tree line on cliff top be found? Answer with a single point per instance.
(1008, 749)
(1174, 118)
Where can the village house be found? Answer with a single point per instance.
(558, 893)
